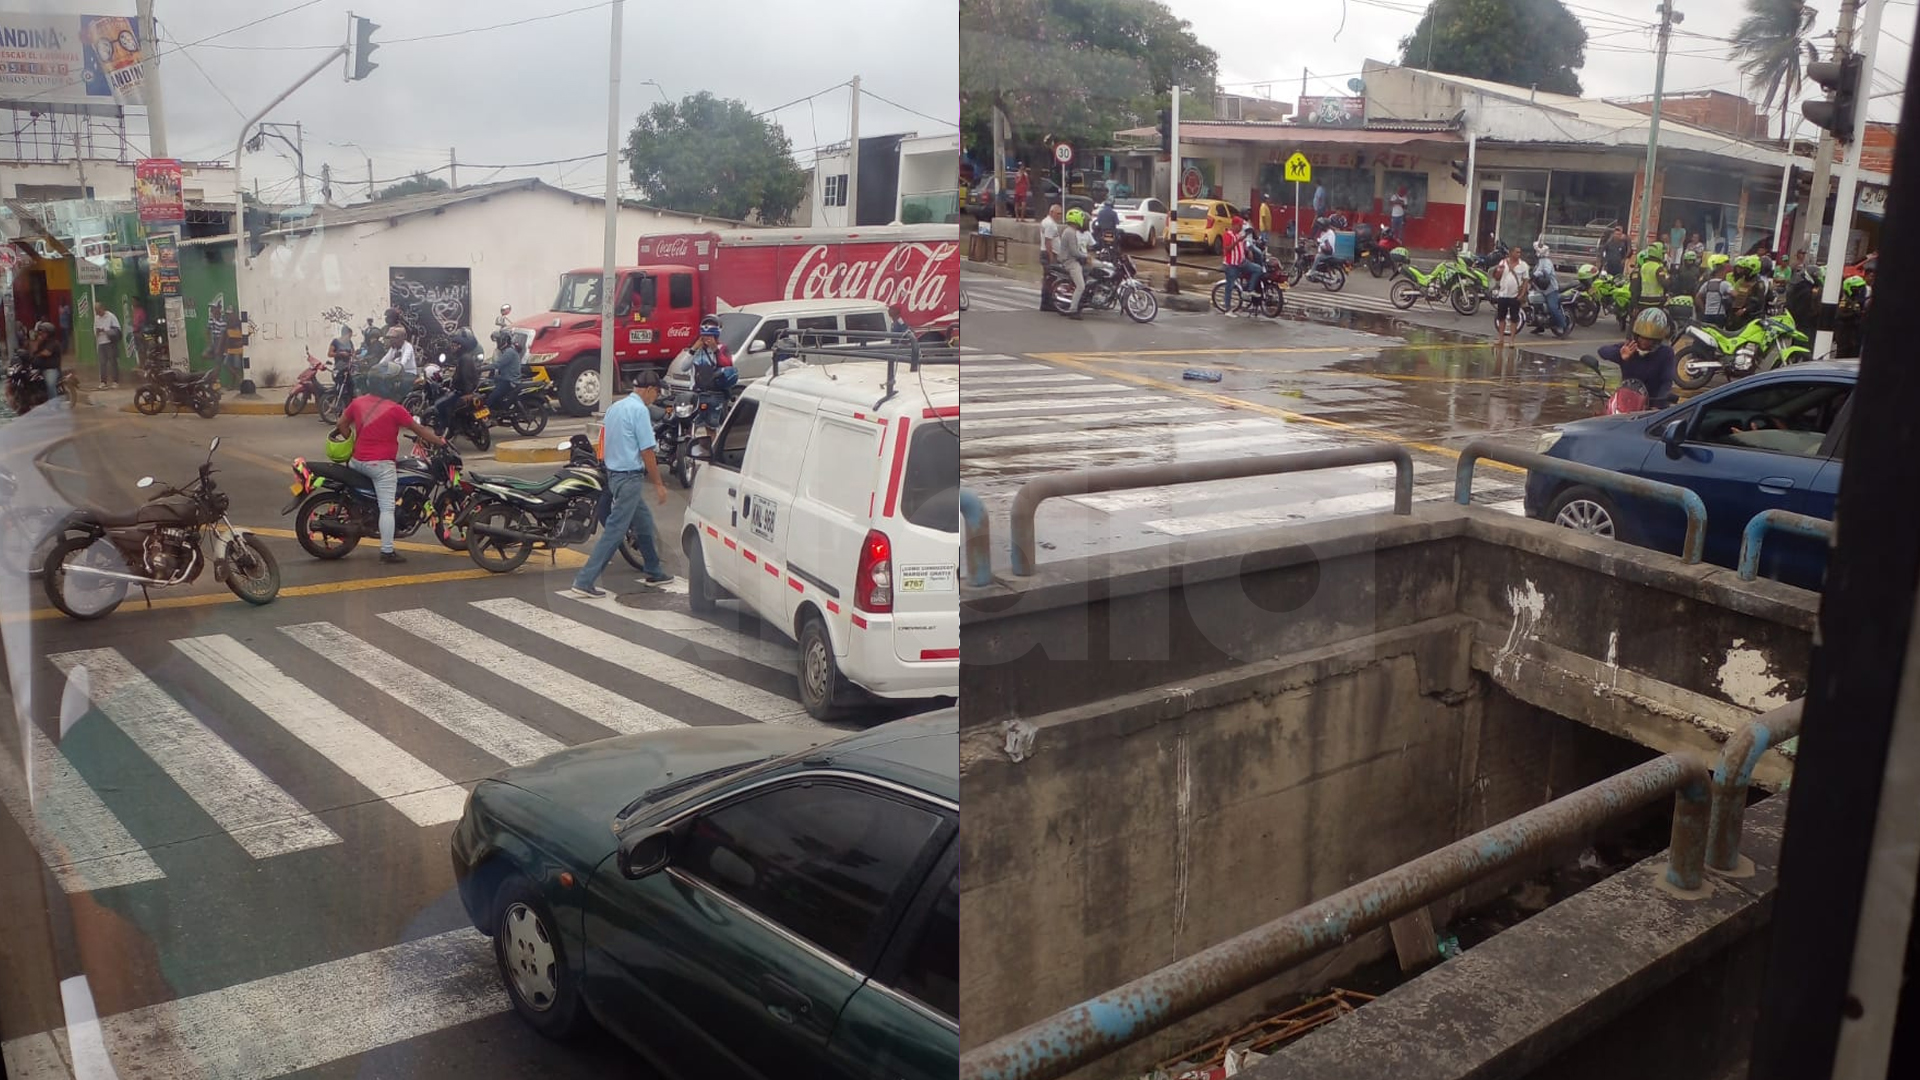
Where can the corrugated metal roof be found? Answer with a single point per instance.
(403, 206)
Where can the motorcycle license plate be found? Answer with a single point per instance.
(481, 414)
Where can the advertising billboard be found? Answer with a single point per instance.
(70, 62)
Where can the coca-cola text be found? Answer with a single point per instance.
(918, 277)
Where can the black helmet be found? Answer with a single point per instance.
(502, 338)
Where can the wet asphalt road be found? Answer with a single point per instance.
(1041, 393)
(233, 846)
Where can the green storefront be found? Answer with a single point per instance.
(206, 294)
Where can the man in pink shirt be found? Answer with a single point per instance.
(376, 423)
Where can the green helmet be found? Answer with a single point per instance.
(1716, 260)
(1853, 284)
(1077, 218)
(1651, 323)
(339, 447)
(1587, 272)
(1690, 256)
(1749, 263)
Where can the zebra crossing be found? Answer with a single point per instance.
(1024, 419)
(356, 717)
(986, 293)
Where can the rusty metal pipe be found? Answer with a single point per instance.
(1691, 549)
(1088, 481)
(1092, 1029)
(1777, 521)
(1733, 774)
(978, 548)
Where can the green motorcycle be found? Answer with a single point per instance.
(1612, 296)
(1410, 285)
(1763, 344)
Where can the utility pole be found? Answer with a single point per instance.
(369, 178)
(1849, 181)
(1786, 187)
(609, 371)
(1173, 193)
(150, 81)
(326, 182)
(453, 170)
(853, 159)
(1807, 234)
(1668, 17)
(298, 144)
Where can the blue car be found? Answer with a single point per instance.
(1763, 442)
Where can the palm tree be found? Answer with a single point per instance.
(1769, 45)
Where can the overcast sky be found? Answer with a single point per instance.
(1265, 42)
(536, 91)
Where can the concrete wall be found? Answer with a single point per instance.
(113, 180)
(516, 244)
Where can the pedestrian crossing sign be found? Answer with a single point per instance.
(1299, 169)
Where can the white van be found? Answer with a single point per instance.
(749, 332)
(829, 506)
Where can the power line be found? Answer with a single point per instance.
(158, 53)
(498, 26)
(203, 74)
(948, 123)
(809, 97)
(534, 164)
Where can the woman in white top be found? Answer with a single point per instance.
(1509, 292)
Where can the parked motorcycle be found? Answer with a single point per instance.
(334, 506)
(159, 544)
(1380, 254)
(691, 418)
(1412, 285)
(508, 518)
(307, 387)
(1112, 282)
(27, 385)
(162, 386)
(1765, 343)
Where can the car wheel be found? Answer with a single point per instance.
(700, 597)
(822, 686)
(541, 982)
(1586, 510)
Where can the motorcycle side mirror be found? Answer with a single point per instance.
(699, 452)
(1592, 364)
(214, 445)
(144, 482)
(505, 310)
(568, 445)
(1674, 437)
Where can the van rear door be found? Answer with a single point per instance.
(772, 474)
(921, 511)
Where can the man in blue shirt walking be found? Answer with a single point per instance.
(630, 463)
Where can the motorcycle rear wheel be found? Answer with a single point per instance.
(1141, 306)
(87, 551)
(1403, 293)
(1333, 279)
(531, 420)
(327, 506)
(1378, 267)
(1219, 297)
(148, 401)
(1688, 377)
(252, 573)
(496, 554)
(296, 403)
(1585, 311)
(479, 434)
(207, 404)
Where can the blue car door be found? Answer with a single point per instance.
(1756, 445)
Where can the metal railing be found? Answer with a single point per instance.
(1089, 481)
(1092, 1029)
(1777, 521)
(977, 547)
(1707, 824)
(1691, 549)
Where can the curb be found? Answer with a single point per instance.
(229, 408)
(528, 452)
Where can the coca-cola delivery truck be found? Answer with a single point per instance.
(683, 276)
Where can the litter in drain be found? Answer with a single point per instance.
(1227, 1055)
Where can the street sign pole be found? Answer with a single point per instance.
(1173, 196)
(1296, 214)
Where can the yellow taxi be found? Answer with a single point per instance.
(1201, 222)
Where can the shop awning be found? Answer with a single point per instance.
(1299, 135)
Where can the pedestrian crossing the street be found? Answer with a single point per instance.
(1024, 420)
(397, 716)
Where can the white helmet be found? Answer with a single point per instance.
(1540, 248)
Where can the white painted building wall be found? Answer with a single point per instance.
(112, 180)
(516, 245)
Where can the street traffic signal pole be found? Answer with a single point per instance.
(1807, 236)
(1848, 101)
(240, 144)
(1668, 17)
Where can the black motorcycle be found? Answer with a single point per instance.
(334, 507)
(690, 418)
(526, 412)
(1535, 316)
(156, 545)
(161, 386)
(507, 518)
(27, 385)
(1112, 281)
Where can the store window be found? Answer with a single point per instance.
(1523, 208)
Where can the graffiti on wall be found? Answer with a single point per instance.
(434, 302)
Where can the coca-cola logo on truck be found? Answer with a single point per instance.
(916, 276)
(675, 248)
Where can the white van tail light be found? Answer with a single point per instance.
(873, 583)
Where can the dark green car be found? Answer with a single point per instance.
(746, 901)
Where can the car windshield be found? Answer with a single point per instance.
(735, 328)
(1190, 212)
(579, 294)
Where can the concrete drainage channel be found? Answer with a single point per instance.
(1387, 726)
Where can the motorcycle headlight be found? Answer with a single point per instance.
(683, 409)
(1547, 440)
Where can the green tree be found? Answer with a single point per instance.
(417, 184)
(1533, 43)
(1769, 44)
(712, 156)
(1073, 70)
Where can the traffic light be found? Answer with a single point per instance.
(1841, 80)
(361, 43)
(1166, 131)
(1460, 173)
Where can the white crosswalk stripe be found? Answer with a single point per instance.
(397, 777)
(78, 821)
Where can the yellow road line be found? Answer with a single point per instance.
(1273, 349)
(402, 545)
(1073, 360)
(1346, 374)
